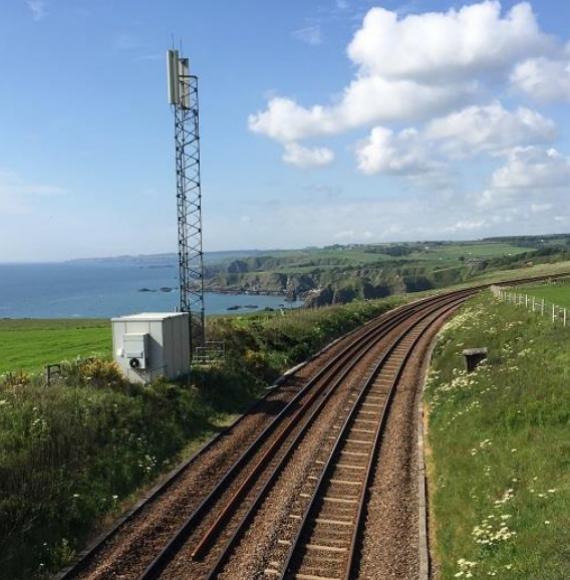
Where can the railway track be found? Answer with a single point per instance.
(202, 550)
(321, 535)
(328, 514)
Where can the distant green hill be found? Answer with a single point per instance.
(340, 274)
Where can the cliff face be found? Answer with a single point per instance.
(318, 288)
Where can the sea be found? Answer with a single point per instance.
(104, 290)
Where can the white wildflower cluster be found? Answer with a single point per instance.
(460, 321)
(543, 494)
(486, 443)
(148, 462)
(432, 378)
(506, 497)
(461, 380)
(465, 568)
(493, 530)
(475, 404)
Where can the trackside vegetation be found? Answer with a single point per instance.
(499, 450)
(76, 452)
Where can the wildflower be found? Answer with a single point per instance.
(3, 402)
(513, 450)
(75, 495)
(465, 567)
(547, 522)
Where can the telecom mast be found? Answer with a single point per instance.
(183, 96)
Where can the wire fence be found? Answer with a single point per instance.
(557, 313)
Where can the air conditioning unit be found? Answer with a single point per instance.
(135, 349)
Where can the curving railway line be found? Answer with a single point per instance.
(291, 499)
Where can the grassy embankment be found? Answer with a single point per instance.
(554, 268)
(500, 454)
(77, 451)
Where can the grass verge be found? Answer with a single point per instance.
(499, 467)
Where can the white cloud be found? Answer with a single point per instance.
(354, 237)
(413, 67)
(305, 157)
(465, 226)
(403, 153)
(477, 38)
(37, 8)
(529, 172)
(533, 168)
(366, 100)
(308, 221)
(539, 207)
(311, 35)
(544, 79)
(490, 129)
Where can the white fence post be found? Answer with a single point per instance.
(526, 301)
(533, 301)
(553, 307)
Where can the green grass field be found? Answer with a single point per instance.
(302, 261)
(499, 471)
(558, 293)
(31, 344)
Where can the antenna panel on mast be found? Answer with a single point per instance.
(172, 67)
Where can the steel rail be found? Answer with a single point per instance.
(207, 539)
(438, 310)
(374, 334)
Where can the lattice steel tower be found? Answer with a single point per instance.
(183, 96)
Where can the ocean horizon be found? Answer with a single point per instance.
(105, 290)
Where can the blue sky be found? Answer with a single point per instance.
(322, 122)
